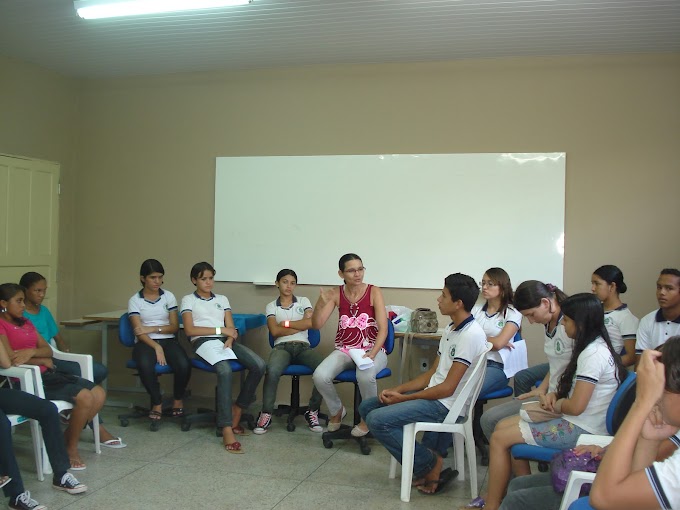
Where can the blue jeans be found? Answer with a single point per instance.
(386, 423)
(532, 492)
(525, 380)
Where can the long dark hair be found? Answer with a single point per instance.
(501, 278)
(8, 291)
(529, 294)
(587, 313)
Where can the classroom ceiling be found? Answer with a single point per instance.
(285, 33)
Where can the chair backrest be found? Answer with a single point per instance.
(517, 337)
(126, 334)
(621, 403)
(313, 335)
(389, 341)
(468, 395)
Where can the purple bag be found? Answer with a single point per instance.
(567, 461)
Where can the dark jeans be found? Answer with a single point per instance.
(525, 380)
(99, 371)
(30, 406)
(145, 357)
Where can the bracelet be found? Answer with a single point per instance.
(218, 331)
(286, 324)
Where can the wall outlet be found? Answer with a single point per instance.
(424, 364)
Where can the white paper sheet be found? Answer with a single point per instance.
(515, 359)
(357, 356)
(213, 351)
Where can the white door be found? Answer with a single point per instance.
(29, 221)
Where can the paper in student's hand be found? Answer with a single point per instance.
(213, 351)
(515, 359)
(357, 356)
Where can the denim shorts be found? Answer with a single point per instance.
(559, 433)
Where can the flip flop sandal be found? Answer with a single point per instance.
(77, 465)
(240, 431)
(234, 447)
(445, 478)
(177, 412)
(475, 503)
(155, 415)
(4, 480)
(116, 442)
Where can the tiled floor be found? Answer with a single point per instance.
(171, 469)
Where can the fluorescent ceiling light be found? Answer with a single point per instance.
(95, 9)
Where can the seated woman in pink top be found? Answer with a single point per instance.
(362, 324)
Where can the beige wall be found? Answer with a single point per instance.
(147, 148)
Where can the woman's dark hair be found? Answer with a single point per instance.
(670, 357)
(8, 291)
(150, 266)
(29, 279)
(502, 279)
(201, 268)
(612, 274)
(587, 313)
(286, 272)
(463, 287)
(529, 294)
(346, 258)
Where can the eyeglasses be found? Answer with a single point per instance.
(487, 284)
(355, 271)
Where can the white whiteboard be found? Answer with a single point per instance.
(413, 219)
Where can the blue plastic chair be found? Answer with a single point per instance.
(126, 336)
(344, 432)
(581, 504)
(295, 372)
(616, 412)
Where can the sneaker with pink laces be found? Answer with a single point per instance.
(264, 420)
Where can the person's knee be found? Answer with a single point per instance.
(259, 366)
(84, 399)
(223, 369)
(321, 378)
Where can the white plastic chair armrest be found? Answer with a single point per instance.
(24, 375)
(588, 439)
(84, 360)
(573, 490)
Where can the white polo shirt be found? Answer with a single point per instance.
(654, 330)
(664, 477)
(595, 365)
(493, 324)
(153, 313)
(557, 347)
(295, 312)
(621, 325)
(208, 313)
(464, 344)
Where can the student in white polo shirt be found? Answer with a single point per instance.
(629, 477)
(153, 314)
(658, 326)
(207, 317)
(607, 284)
(429, 396)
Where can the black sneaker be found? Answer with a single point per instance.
(24, 502)
(69, 484)
(312, 418)
(264, 420)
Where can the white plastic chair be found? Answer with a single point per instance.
(86, 372)
(577, 479)
(462, 433)
(26, 384)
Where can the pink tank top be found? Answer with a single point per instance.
(357, 328)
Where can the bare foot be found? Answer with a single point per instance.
(228, 436)
(236, 413)
(105, 435)
(431, 481)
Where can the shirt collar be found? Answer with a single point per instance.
(278, 301)
(202, 298)
(460, 326)
(660, 318)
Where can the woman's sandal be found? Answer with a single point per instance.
(77, 465)
(240, 431)
(4, 480)
(177, 412)
(155, 415)
(234, 447)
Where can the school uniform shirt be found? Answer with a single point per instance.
(595, 365)
(44, 323)
(207, 313)
(558, 348)
(664, 477)
(464, 344)
(153, 313)
(493, 324)
(294, 312)
(654, 330)
(621, 325)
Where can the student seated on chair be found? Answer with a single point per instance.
(607, 284)
(661, 324)
(288, 319)
(26, 346)
(36, 289)
(45, 413)
(153, 316)
(429, 396)
(207, 317)
(583, 394)
(362, 324)
(628, 478)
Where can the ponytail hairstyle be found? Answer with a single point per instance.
(587, 313)
(529, 294)
(286, 272)
(346, 258)
(8, 291)
(198, 269)
(612, 274)
(502, 279)
(670, 357)
(29, 279)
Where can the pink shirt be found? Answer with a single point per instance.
(357, 328)
(21, 337)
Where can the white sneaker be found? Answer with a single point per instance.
(312, 418)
